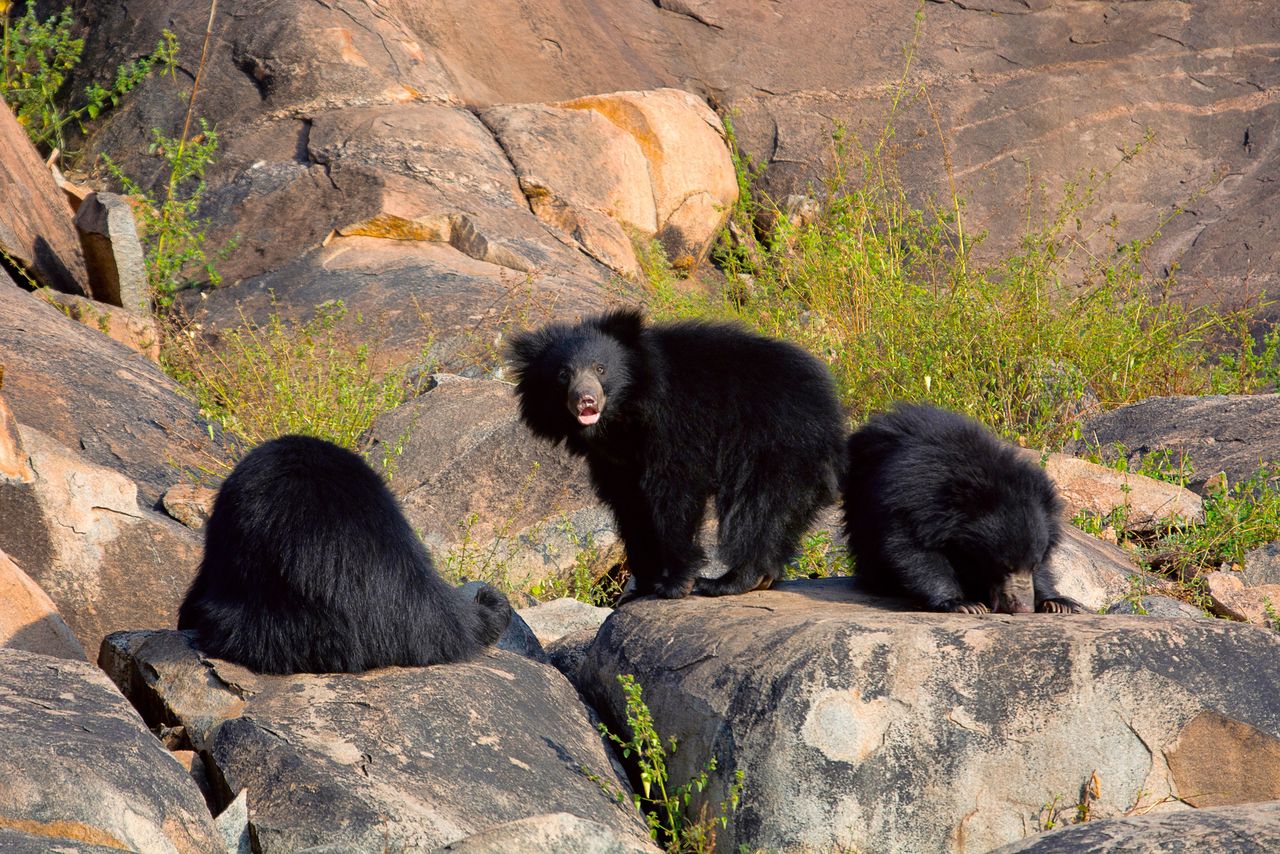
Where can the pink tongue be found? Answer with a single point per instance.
(588, 417)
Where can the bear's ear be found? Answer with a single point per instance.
(525, 348)
(622, 324)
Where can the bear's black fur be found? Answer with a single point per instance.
(671, 414)
(310, 567)
(939, 509)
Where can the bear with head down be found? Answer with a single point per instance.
(670, 415)
(939, 510)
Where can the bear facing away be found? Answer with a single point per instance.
(310, 567)
(671, 414)
(939, 509)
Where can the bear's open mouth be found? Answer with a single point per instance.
(588, 414)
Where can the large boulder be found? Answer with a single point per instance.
(1146, 503)
(80, 769)
(860, 725)
(601, 168)
(1246, 829)
(1234, 434)
(400, 757)
(98, 397)
(36, 229)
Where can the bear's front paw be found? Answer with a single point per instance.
(961, 606)
(1060, 605)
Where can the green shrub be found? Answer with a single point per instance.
(263, 381)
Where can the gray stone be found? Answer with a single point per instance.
(556, 833)
(553, 620)
(862, 726)
(233, 826)
(113, 252)
(394, 758)
(567, 653)
(78, 762)
(1261, 565)
(1158, 606)
(492, 503)
(1234, 434)
(1085, 568)
(1244, 829)
(518, 636)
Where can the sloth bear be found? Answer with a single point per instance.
(310, 567)
(670, 414)
(939, 509)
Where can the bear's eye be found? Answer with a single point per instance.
(599, 369)
(563, 376)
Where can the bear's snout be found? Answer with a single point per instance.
(586, 398)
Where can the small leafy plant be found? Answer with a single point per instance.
(37, 56)
(665, 807)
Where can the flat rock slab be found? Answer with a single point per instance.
(77, 764)
(404, 759)
(863, 727)
(1244, 829)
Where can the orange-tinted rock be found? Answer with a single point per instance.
(36, 227)
(28, 618)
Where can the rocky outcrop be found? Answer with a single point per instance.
(553, 620)
(862, 726)
(1230, 434)
(81, 770)
(602, 168)
(77, 529)
(1247, 829)
(490, 500)
(400, 757)
(111, 405)
(35, 222)
(554, 833)
(1012, 88)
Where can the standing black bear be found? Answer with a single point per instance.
(310, 567)
(670, 414)
(939, 509)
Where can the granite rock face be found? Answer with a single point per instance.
(1244, 829)
(1232, 434)
(861, 725)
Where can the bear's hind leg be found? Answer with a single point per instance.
(759, 535)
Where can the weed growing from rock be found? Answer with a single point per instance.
(665, 806)
(268, 380)
(35, 59)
